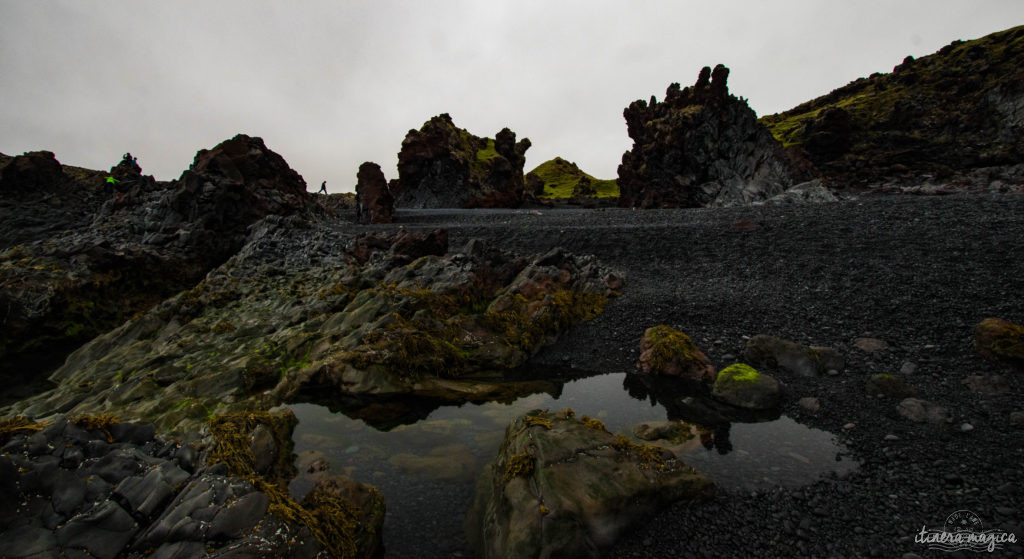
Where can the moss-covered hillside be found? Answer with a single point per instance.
(946, 113)
(563, 179)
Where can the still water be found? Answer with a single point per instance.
(426, 469)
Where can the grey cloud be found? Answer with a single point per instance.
(332, 84)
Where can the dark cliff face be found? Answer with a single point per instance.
(701, 146)
(443, 166)
(941, 115)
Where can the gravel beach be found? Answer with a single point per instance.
(915, 272)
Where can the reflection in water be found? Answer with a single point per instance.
(425, 462)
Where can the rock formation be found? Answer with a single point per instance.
(117, 489)
(300, 313)
(124, 251)
(743, 386)
(954, 117)
(665, 351)
(374, 203)
(563, 486)
(701, 146)
(443, 166)
(806, 361)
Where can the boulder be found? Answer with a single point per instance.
(811, 192)
(765, 351)
(443, 166)
(563, 486)
(374, 203)
(742, 386)
(1001, 342)
(889, 385)
(666, 351)
(923, 411)
(701, 146)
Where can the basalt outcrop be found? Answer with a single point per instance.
(302, 312)
(443, 166)
(126, 247)
(953, 119)
(701, 146)
(92, 486)
(374, 203)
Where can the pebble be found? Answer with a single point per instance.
(966, 427)
(891, 437)
(849, 426)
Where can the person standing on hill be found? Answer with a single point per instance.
(323, 187)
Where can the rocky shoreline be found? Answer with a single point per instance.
(894, 284)
(917, 273)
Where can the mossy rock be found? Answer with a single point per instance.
(1001, 342)
(564, 487)
(666, 351)
(889, 385)
(743, 386)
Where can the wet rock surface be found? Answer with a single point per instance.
(93, 487)
(563, 486)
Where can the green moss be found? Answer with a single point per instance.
(487, 153)
(667, 345)
(519, 465)
(561, 177)
(739, 373)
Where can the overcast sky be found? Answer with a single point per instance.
(330, 84)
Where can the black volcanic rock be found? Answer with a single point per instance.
(32, 171)
(123, 251)
(443, 166)
(701, 146)
(374, 203)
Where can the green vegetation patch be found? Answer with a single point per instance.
(561, 178)
(667, 345)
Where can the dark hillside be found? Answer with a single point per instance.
(944, 115)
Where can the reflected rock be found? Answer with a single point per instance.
(566, 487)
